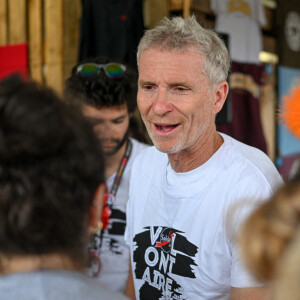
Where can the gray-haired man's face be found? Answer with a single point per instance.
(175, 99)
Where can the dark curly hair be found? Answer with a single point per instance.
(50, 166)
(102, 91)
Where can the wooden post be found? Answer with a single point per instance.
(71, 19)
(3, 22)
(154, 11)
(186, 8)
(17, 21)
(35, 30)
(183, 5)
(54, 44)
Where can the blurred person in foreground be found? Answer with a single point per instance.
(270, 238)
(182, 189)
(51, 191)
(106, 91)
(270, 242)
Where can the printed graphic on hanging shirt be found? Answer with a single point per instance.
(161, 255)
(242, 21)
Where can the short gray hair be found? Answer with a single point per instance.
(179, 34)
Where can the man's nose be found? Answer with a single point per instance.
(102, 130)
(161, 104)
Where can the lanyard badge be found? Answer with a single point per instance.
(106, 211)
(109, 196)
(94, 263)
(94, 260)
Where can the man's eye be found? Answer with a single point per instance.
(148, 87)
(95, 122)
(181, 89)
(118, 121)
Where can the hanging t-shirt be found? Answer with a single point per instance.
(245, 86)
(181, 227)
(111, 28)
(241, 20)
(112, 249)
(14, 60)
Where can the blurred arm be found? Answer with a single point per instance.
(129, 291)
(257, 293)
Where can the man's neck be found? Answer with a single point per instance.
(190, 159)
(112, 162)
(28, 263)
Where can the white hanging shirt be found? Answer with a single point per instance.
(241, 20)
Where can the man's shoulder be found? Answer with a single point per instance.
(237, 149)
(252, 159)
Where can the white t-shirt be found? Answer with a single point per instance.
(181, 227)
(112, 249)
(241, 20)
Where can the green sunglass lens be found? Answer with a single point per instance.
(114, 70)
(89, 70)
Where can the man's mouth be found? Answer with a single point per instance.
(165, 128)
(108, 143)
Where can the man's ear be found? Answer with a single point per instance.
(220, 94)
(95, 211)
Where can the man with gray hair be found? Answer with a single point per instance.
(183, 188)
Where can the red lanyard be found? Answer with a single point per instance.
(109, 196)
(95, 264)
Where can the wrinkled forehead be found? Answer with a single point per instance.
(159, 64)
(163, 49)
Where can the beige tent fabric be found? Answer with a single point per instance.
(154, 11)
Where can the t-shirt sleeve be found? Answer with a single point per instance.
(129, 214)
(240, 275)
(249, 192)
(260, 15)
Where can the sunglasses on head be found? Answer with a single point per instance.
(112, 70)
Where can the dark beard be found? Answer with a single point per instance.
(119, 145)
